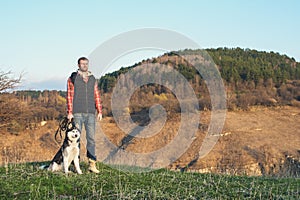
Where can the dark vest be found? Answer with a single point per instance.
(84, 98)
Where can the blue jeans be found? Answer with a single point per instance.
(88, 119)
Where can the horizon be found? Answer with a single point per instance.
(56, 84)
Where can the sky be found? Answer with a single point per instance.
(43, 39)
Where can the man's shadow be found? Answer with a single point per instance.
(142, 119)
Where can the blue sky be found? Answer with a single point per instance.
(44, 39)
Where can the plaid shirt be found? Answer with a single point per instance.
(70, 96)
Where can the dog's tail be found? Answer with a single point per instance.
(44, 167)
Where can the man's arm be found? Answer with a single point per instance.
(70, 95)
(98, 101)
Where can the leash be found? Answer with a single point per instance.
(63, 124)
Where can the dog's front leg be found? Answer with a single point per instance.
(77, 166)
(65, 164)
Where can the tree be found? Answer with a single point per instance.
(7, 82)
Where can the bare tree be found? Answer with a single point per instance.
(7, 82)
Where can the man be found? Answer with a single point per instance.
(83, 99)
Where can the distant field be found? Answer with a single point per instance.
(261, 141)
(27, 181)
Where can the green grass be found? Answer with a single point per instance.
(27, 181)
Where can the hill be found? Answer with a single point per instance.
(251, 78)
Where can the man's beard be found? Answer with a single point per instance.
(83, 70)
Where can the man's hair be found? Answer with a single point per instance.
(81, 58)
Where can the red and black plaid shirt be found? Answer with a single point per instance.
(70, 95)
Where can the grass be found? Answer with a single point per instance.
(27, 181)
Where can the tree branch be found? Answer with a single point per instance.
(6, 82)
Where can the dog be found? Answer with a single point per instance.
(69, 151)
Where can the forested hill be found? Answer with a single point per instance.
(247, 65)
(235, 65)
(251, 77)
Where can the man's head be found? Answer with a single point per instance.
(83, 64)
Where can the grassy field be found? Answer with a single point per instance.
(27, 181)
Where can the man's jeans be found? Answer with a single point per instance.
(88, 120)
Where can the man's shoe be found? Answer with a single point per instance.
(92, 166)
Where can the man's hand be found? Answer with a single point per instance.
(99, 116)
(70, 116)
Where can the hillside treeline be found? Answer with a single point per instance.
(27, 109)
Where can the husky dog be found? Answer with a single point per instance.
(68, 152)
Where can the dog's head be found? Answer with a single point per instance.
(72, 132)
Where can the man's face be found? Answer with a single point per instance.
(83, 65)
